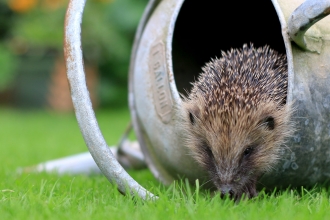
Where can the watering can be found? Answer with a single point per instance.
(169, 49)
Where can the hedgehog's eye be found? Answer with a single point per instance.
(247, 152)
(192, 118)
(207, 149)
(269, 122)
(193, 114)
(209, 152)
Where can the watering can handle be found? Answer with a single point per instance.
(85, 115)
(307, 14)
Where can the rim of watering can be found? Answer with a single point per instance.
(157, 170)
(85, 115)
(288, 48)
(152, 4)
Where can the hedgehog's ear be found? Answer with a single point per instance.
(193, 113)
(269, 122)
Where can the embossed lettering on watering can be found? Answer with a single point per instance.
(160, 84)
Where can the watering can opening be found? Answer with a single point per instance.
(202, 31)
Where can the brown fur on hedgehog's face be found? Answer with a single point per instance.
(235, 153)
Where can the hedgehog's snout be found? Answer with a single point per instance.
(227, 190)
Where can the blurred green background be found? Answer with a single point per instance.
(32, 73)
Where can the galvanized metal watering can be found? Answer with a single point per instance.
(169, 49)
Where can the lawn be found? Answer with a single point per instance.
(31, 137)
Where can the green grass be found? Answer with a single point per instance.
(28, 138)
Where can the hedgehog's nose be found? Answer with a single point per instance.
(227, 190)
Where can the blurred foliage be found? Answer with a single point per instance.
(108, 28)
(7, 58)
(110, 43)
(7, 62)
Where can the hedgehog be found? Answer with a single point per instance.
(237, 118)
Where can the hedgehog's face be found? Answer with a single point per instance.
(236, 154)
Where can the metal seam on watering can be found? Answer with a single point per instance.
(83, 107)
